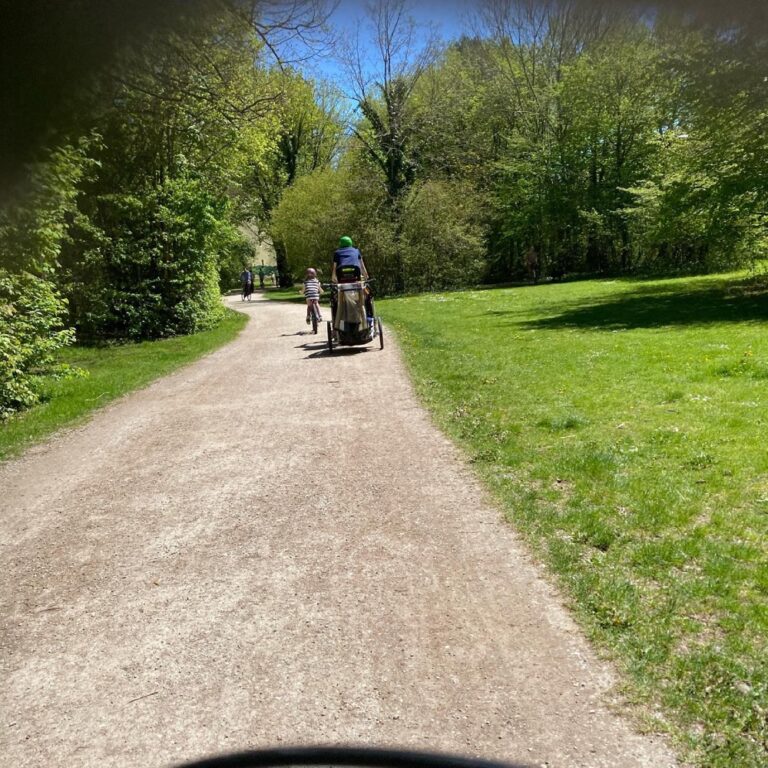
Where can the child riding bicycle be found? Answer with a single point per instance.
(312, 290)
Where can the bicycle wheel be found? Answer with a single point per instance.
(381, 333)
(314, 320)
(330, 337)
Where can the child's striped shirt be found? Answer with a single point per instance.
(312, 288)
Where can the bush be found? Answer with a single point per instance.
(439, 245)
(145, 266)
(31, 332)
(32, 310)
(312, 214)
(442, 239)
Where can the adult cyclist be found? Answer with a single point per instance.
(348, 264)
(348, 267)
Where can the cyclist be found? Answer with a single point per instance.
(349, 267)
(345, 257)
(312, 290)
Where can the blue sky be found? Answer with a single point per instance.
(445, 14)
(448, 17)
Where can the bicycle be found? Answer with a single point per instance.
(314, 314)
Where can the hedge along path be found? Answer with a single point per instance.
(276, 546)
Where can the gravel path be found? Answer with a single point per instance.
(272, 547)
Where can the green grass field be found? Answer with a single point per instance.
(292, 294)
(111, 371)
(622, 426)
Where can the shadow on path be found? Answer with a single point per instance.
(337, 352)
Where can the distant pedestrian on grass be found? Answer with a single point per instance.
(532, 264)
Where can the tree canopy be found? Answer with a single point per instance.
(561, 137)
(587, 137)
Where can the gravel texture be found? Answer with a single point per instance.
(275, 546)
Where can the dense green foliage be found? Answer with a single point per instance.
(131, 232)
(191, 121)
(622, 426)
(564, 138)
(32, 308)
(30, 335)
(441, 239)
(154, 274)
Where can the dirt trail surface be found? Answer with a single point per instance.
(275, 546)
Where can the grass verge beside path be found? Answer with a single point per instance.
(622, 425)
(112, 371)
(291, 294)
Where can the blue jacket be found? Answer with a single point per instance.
(348, 257)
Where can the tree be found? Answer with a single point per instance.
(460, 114)
(617, 99)
(442, 237)
(312, 128)
(189, 114)
(123, 236)
(534, 44)
(311, 213)
(33, 312)
(384, 94)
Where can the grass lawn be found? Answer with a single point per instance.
(112, 371)
(622, 424)
(285, 294)
(294, 295)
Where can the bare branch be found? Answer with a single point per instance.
(402, 54)
(292, 31)
(382, 88)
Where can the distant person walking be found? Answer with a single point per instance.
(246, 283)
(261, 278)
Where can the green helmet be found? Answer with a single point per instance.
(345, 242)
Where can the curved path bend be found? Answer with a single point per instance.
(274, 546)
